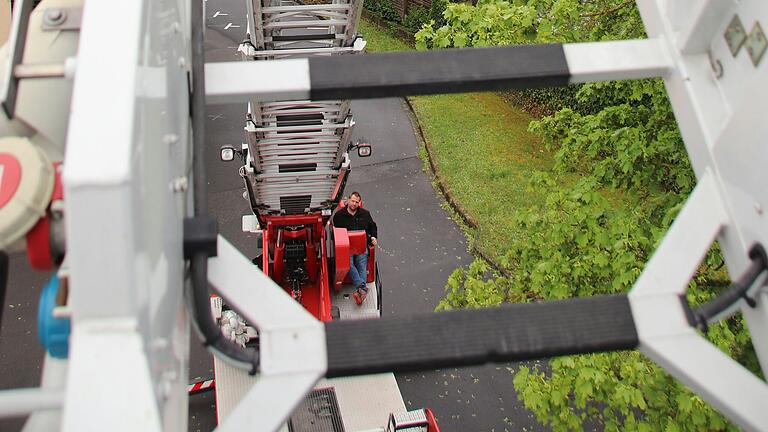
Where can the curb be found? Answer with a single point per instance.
(446, 192)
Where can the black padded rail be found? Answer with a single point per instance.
(478, 336)
(440, 71)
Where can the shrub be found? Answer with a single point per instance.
(383, 9)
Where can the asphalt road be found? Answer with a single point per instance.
(419, 247)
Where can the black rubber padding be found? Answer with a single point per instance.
(439, 71)
(478, 336)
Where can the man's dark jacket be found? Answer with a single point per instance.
(360, 221)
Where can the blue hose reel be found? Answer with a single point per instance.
(53, 332)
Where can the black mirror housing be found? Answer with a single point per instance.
(227, 153)
(364, 150)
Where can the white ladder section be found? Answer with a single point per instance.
(296, 149)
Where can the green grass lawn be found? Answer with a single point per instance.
(483, 149)
(486, 155)
(379, 39)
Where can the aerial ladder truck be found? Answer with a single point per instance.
(295, 166)
(110, 196)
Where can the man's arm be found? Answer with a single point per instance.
(336, 219)
(373, 230)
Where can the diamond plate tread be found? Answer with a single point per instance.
(361, 407)
(318, 412)
(366, 401)
(231, 385)
(348, 309)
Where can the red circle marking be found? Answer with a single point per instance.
(10, 177)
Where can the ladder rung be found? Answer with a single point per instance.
(269, 142)
(323, 160)
(308, 135)
(312, 23)
(323, 127)
(277, 178)
(303, 37)
(320, 148)
(302, 51)
(273, 9)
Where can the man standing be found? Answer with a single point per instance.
(355, 218)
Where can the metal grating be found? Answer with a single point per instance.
(318, 412)
(295, 204)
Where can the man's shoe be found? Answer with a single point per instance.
(360, 293)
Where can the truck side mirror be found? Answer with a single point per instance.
(364, 150)
(227, 153)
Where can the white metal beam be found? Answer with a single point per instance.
(663, 329)
(231, 82)
(617, 60)
(292, 342)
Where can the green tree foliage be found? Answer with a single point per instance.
(416, 16)
(628, 139)
(615, 135)
(383, 9)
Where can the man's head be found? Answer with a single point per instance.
(354, 201)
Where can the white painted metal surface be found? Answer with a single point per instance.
(22, 402)
(231, 82)
(105, 355)
(719, 99)
(292, 344)
(617, 60)
(127, 145)
(54, 378)
(664, 331)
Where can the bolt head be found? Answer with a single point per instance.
(54, 16)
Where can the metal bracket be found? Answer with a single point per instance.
(55, 19)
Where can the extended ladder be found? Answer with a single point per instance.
(296, 148)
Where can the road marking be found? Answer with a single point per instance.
(216, 117)
(230, 25)
(218, 13)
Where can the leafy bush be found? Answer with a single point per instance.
(383, 9)
(417, 17)
(436, 10)
(633, 142)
